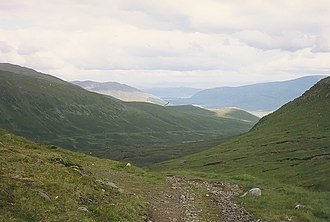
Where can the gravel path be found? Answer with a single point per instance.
(178, 202)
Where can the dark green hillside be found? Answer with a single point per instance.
(47, 183)
(290, 146)
(52, 111)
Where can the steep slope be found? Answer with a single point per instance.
(287, 155)
(47, 183)
(52, 111)
(120, 91)
(258, 97)
(291, 145)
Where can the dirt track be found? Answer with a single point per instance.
(197, 201)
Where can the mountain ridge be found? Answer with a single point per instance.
(256, 97)
(120, 91)
(52, 111)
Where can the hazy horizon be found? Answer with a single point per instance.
(199, 43)
(183, 85)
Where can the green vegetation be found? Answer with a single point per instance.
(235, 113)
(286, 154)
(230, 113)
(144, 155)
(47, 183)
(49, 110)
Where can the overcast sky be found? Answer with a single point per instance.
(144, 43)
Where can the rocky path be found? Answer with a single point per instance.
(197, 201)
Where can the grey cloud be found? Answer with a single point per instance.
(5, 48)
(10, 5)
(283, 41)
(153, 66)
(160, 16)
(27, 49)
(306, 70)
(165, 63)
(150, 52)
(241, 39)
(322, 44)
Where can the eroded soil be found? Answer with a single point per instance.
(197, 201)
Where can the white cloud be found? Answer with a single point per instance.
(198, 42)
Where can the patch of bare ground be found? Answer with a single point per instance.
(197, 201)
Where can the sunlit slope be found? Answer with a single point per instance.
(230, 113)
(291, 145)
(119, 91)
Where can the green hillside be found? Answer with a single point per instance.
(49, 110)
(230, 113)
(235, 113)
(47, 183)
(287, 153)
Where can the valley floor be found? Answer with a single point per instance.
(195, 200)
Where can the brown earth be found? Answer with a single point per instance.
(197, 201)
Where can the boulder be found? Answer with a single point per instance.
(254, 192)
(83, 209)
(111, 184)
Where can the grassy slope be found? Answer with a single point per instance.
(235, 113)
(49, 110)
(230, 113)
(29, 172)
(287, 153)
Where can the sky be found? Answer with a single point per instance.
(149, 43)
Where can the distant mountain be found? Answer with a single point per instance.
(291, 145)
(173, 92)
(257, 97)
(52, 111)
(120, 91)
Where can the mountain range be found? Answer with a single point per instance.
(119, 91)
(257, 97)
(52, 111)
